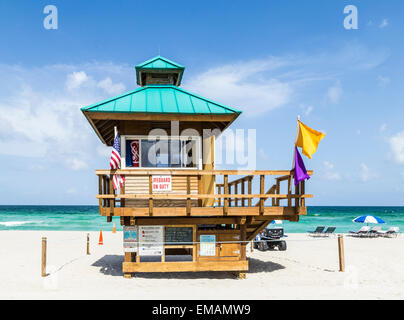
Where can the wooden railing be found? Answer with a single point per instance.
(229, 198)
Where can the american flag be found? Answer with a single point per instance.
(115, 163)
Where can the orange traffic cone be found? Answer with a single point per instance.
(113, 229)
(101, 240)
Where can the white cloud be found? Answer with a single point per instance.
(334, 93)
(76, 80)
(76, 164)
(259, 85)
(308, 110)
(110, 87)
(383, 81)
(367, 174)
(384, 23)
(244, 85)
(397, 147)
(40, 113)
(71, 190)
(329, 172)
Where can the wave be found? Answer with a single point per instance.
(15, 223)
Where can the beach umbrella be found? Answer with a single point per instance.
(368, 219)
(276, 222)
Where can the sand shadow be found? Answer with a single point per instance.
(112, 265)
(257, 266)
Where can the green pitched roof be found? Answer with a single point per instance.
(160, 99)
(159, 62)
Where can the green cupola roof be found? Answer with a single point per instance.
(159, 70)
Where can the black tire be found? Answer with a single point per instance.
(261, 246)
(282, 246)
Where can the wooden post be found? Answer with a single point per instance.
(262, 191)
(341, 253)
(123, 200)
(150, 193)
(250, 191)
(302, 191)
(252, 246)
(236, 192)
(226, 200)
(243, 192)
(100, 182)
(127, 258)
(290, 190)
(188, 198)
(297, 192)
(88, 243)
(219, 191)
(112, 201)
(43, 271)
(243, 246)
(278, 191)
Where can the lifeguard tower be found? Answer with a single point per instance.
(177, 211)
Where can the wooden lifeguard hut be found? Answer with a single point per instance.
(179, 213)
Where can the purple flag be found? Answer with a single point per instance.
(300, 169)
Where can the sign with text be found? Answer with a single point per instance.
(151, 240)
(130, 238)
(161, 183)
(207, 245)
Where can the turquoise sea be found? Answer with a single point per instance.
(87, 218)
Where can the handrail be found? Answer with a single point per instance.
(199, 196)
(190, 172)
(240, 180)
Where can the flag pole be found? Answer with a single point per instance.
(294, 145)
(294, 150)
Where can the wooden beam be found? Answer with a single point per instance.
(188, 198)
(226, 200)
(160, 116)
(200, 196)
(150, 193)
(185, 266)
(191, 172)
(262, 190)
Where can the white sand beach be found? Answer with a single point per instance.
(307, 270)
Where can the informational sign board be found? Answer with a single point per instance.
(151, 240)
(207, 245)
(179, 235)
(161, 183)
(130, 238)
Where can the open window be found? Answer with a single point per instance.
(161, 152)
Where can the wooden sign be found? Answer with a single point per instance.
(161, 183)
(179, 235)
(207, 245)
(150, 240)
(130, 238)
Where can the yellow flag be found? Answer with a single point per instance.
(308, 139)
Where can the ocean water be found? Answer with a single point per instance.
(87, 218)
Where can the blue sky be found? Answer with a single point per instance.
(271, 59)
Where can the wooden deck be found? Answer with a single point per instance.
(234, 201)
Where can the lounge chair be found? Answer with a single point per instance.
(362, 232)
(317, 232)
(329, 231)
(392, 232)
(375, 231)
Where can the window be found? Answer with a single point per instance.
(165, 152)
